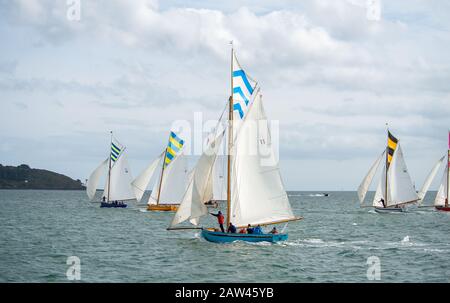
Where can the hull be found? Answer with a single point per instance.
(162, 207)
(383, 210)
(220, 237)
(112, 205)
(212, 204)
(442, 208)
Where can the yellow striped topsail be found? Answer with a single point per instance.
(173, 148)
(392, 145)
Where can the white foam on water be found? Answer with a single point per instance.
(405, 240)
(313, 242)
(143, 210)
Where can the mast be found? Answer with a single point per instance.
(162, 174)
(387, 166)
(448, 167)
(230, 141)
(109, 170)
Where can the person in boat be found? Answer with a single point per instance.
(382, 201)
(231, 228)
(274, 230)
(220, 220)
(250, 229)
(258, 230)
(104, 199)
(242, 231)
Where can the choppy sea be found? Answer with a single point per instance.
(337, 241)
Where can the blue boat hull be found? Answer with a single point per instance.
(382, 210)
(111, 205)
(220, 237)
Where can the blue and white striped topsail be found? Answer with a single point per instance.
(243, 88)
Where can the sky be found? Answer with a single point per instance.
(333, 73)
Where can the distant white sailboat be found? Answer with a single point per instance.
(169, 188)
(441, 202)
(255, 191)
(395, 188)
(118, 180)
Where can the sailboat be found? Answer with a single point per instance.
(442, 197)
(395, 188)
(171, 183)
(118, 181)
(255, 191)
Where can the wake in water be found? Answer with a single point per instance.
(308, 195)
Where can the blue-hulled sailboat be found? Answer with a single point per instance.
(255, 191)
(118, 181)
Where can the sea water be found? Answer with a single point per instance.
(40, 230)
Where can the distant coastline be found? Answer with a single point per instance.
(25, 177)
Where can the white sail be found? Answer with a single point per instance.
(258, 194)
(379, 194)
(443, 188)
(94, 178)
(173, 184)
(219, 179)
(154, 194)
(365, 184)
(400, 186)
(141, 182)
(120, 181)
(430, 179)
(192, 206)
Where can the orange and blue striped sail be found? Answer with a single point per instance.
(173, 148)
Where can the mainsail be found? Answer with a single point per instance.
(94, 178)
(430, 179)
(400, 186)
(119, 185)
(173, 184)
(258, 194)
